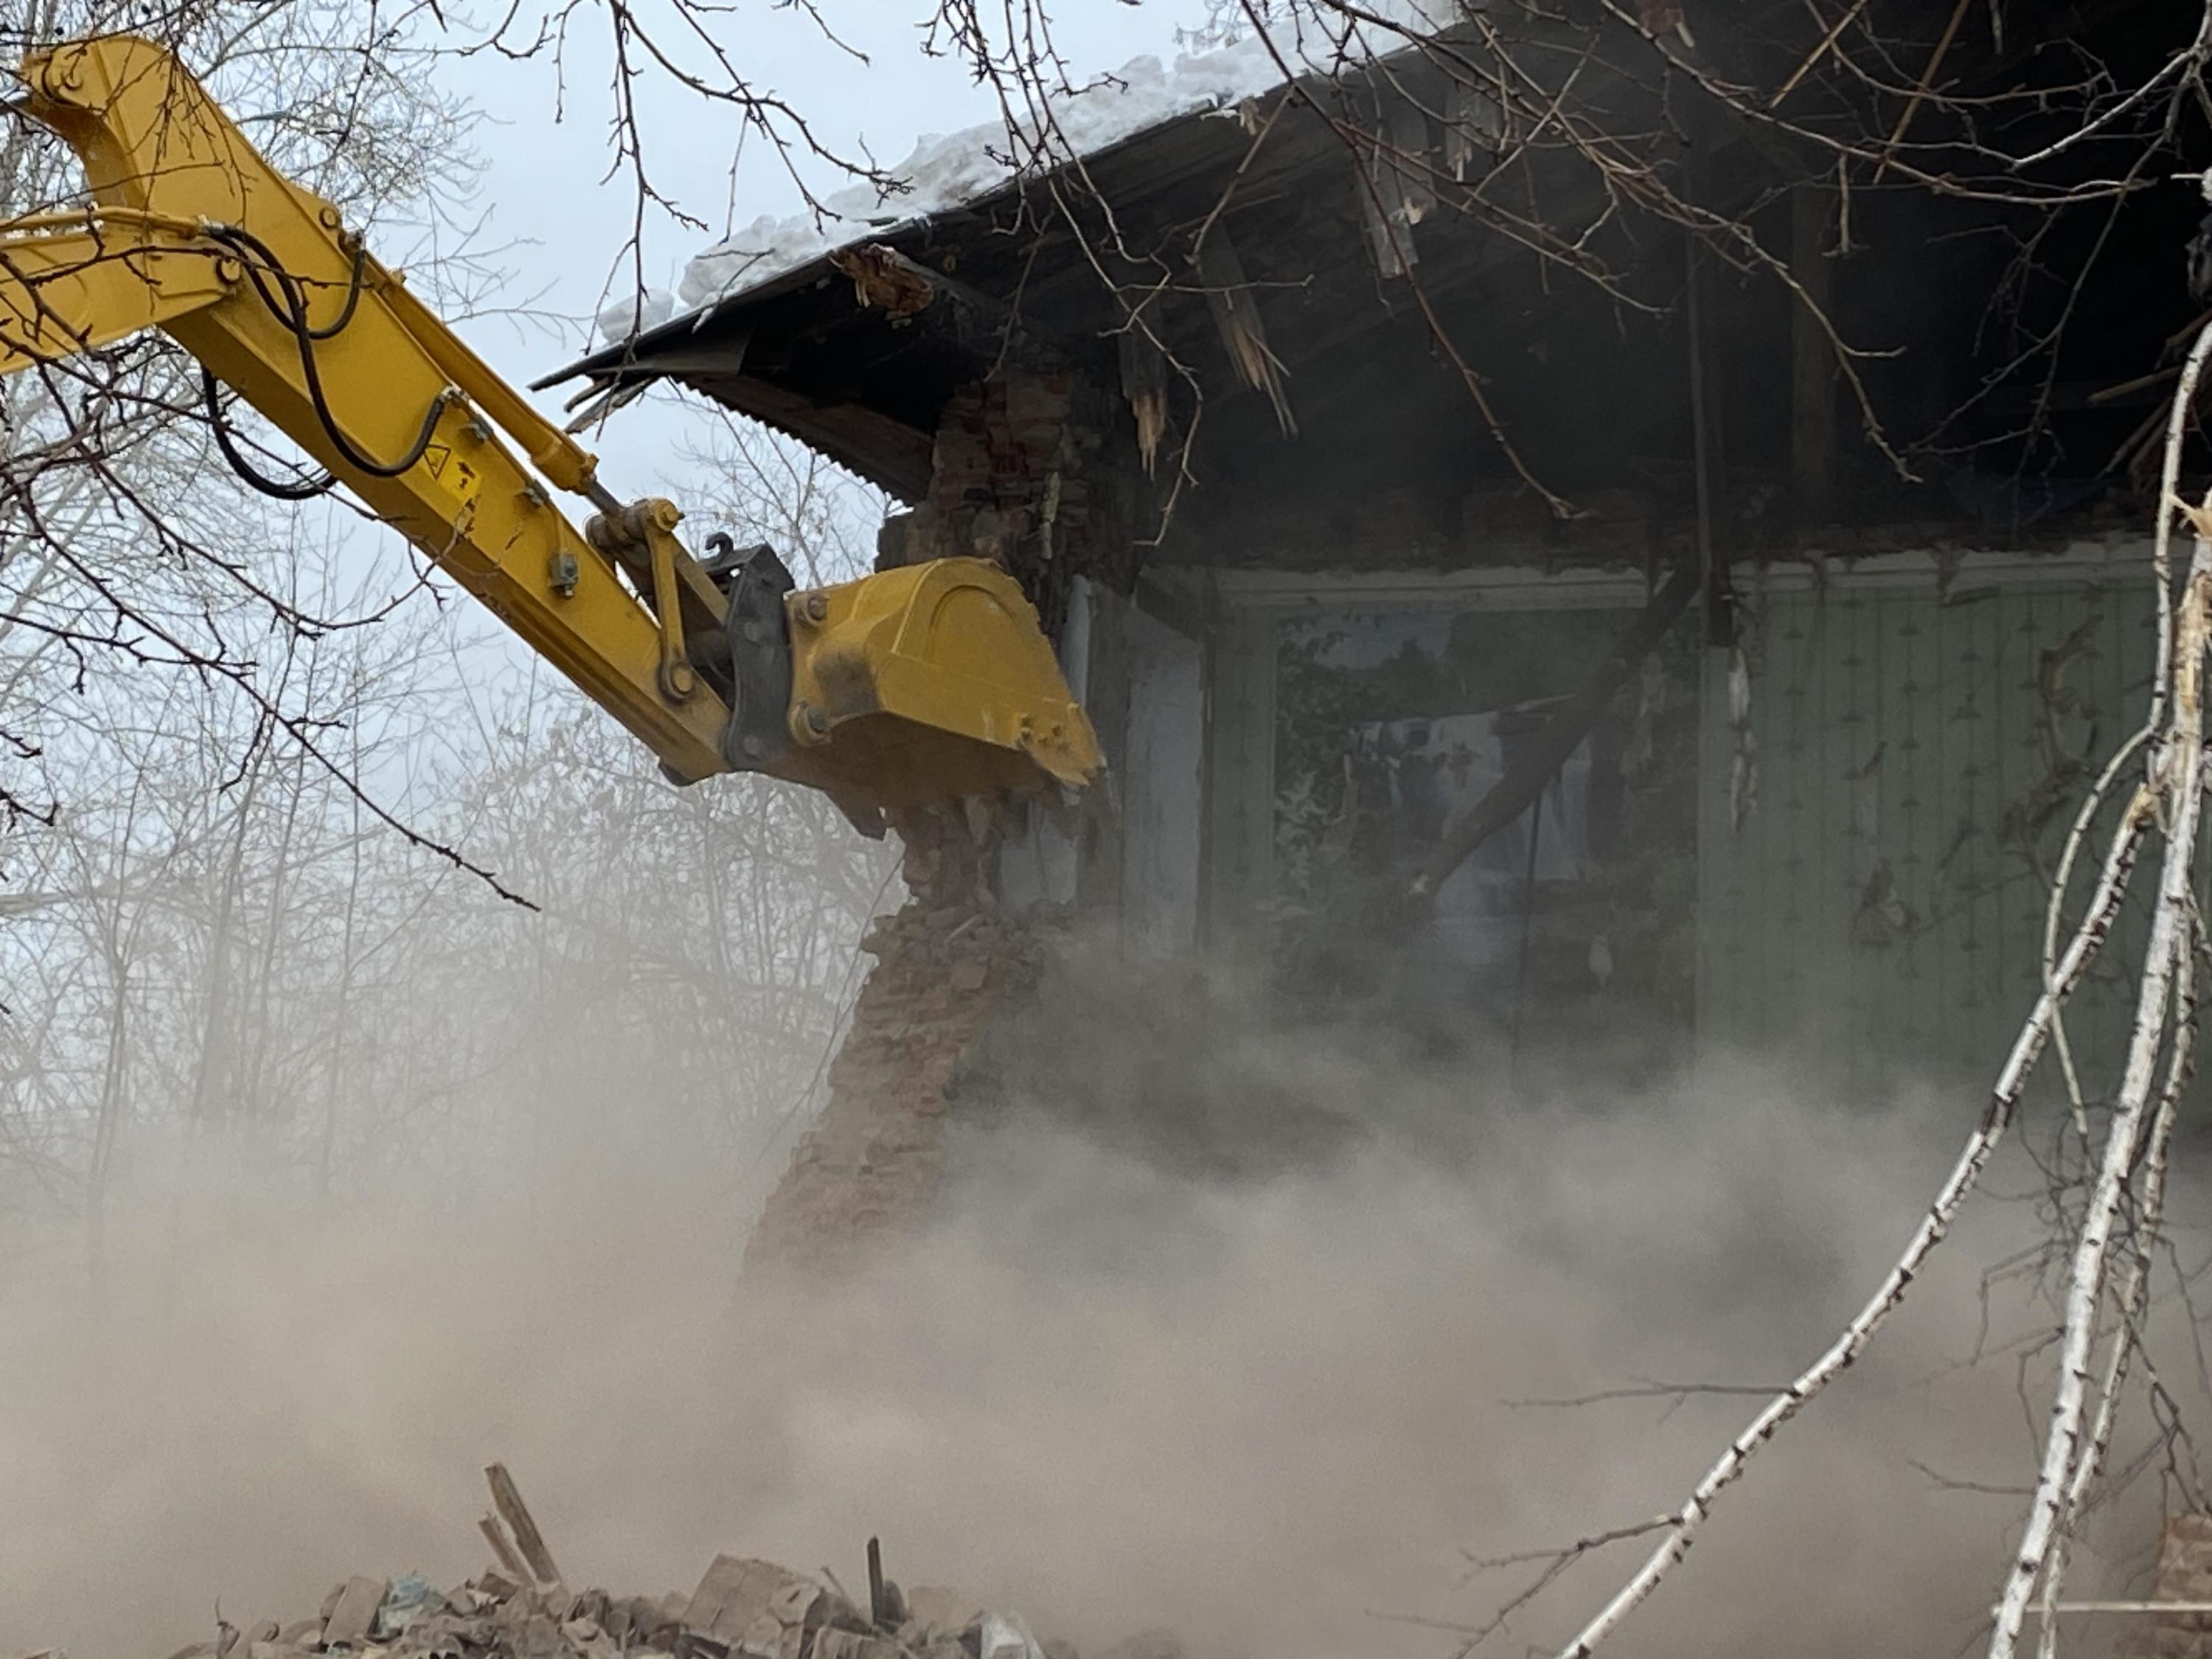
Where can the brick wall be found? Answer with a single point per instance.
(1025, 473)
(872, 1166)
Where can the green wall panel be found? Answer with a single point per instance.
(1918, 758)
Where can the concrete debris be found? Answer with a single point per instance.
(1004, 1636)
(743, 1608)
(736, 1594)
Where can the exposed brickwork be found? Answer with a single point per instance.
(873, 1164)
(1023, 475)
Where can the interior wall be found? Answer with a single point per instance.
(1355, 719)
(1162, 796)
(1041, 863)
(1240, 772)
(1920, 745)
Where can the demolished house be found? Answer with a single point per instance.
(1524, 599)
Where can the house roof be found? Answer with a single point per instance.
(954, 184)
(956, 170)
(856, 347)
(795, 342)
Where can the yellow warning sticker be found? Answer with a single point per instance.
(460, 477)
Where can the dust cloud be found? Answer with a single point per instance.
(1275, 1406)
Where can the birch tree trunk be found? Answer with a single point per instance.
(2169, 798)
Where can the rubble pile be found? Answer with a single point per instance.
(875, 1159)
(743, 1608)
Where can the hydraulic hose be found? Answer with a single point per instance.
(289, 306)
(304, 490)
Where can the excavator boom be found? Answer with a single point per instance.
(908, 688)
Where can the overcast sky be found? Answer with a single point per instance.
(546, 145)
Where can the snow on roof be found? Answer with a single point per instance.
(946, 171)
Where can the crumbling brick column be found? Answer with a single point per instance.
(1023, 473)
(873, 1165)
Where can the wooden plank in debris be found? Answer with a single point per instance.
(502, 1549)
(507, 1499)
(878, 1601)
(354, 1612)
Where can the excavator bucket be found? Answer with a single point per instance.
(908, 689)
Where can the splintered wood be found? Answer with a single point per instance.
(1145, 383)
(1236, 309)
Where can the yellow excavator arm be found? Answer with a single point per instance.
(911, 688)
